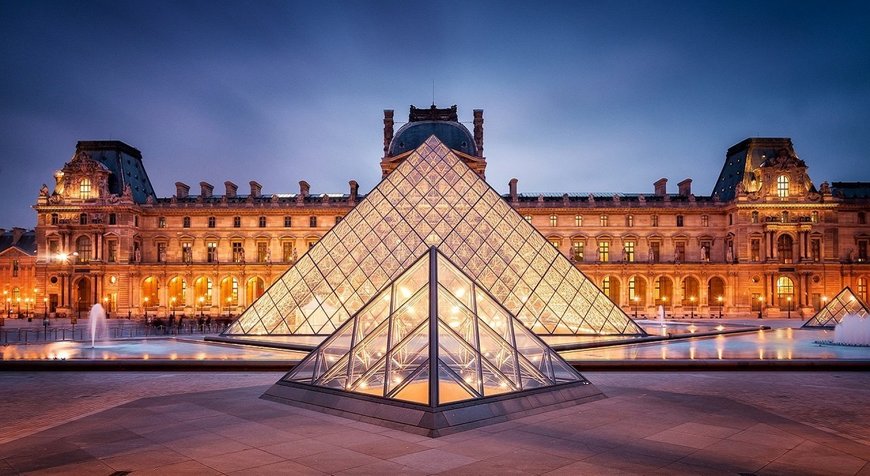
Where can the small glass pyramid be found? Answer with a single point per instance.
(433, 199)
(846, 302)
(433, 337)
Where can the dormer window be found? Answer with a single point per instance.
(782, 186)
(85, 189)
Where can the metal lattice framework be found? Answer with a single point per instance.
(843, 304)
(433, 337)
(433, 199)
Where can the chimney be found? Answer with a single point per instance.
(255, 189)
(304, 188)
(182, 190)
(513, 188)
(685, 187)
(232, 189)
(206, 189)
(478, 131)
(354, 191)
(388, 129)
(661, 187)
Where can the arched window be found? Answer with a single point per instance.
(254, 289)
(690, 290)
(229, 292)
(85, 189)
(177, 292)
(202, 289)
(83, 248)
(782, 186)
(785, 291)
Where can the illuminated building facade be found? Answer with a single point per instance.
(766, 239)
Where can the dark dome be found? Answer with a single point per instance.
(413, 134)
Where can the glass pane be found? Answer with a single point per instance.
(408, 355)
(450, 387)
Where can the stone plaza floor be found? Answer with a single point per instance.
(115, 423)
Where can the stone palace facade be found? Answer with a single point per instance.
(767, 239)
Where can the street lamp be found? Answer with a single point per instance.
(720, 306)
(635, 306)
(45, 308)
(106, 305)
(172, 305)
(201, 304)
(691, 307)
(229, 300)
(18, 300)
(789, 306)
(760, 306)
(146, 308)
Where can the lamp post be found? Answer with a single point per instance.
(691, 307)
(106, 305)
(6, 300)
(789, 306)
(229, 300)
(824, 301)
(18, 300)
(172, 305)
(201, 306)
(146, 308)
(720, 306)
(760, 306)
(635, 306)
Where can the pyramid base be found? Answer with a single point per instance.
(432, 421)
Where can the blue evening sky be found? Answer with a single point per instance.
(577, 96)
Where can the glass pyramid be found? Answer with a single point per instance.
(433, 199)
(844, 303)
(433, 337)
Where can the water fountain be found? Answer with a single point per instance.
(99, 327)
(853, 330)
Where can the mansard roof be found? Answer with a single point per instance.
(745, 157)
(125, 164)
(25, 241)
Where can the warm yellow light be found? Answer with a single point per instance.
(459, 292)
(719, 298)
(405, 292)
(201, 299)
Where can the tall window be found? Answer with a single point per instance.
(161, 252)
(680, 252)
(679, 220)
(705, 220)
(782, 186)
(577, 249)
(238, 252)
(262, 222)
(55, 218)
(185, 222)
(187, 252)
(603, 220)
(862, 289)
(605, 285)
(578, 220)
(14, 268)
(161, 222)
(862, 251)
(262, 251)
(754, 218)
(83, 219)
(604, 251)
(312, 222)
(112, 248)
(113, 219)
(629, 251)
(83, 248)
(655, 252)
(287, 222)
(654, 220)
(211, 252)
(286, 251)
(632, 285)
(237, 222)
(814, 217)
(554, 220)
(212, 222)
(862, 218)
(785, 248)
(85, 189)
(629, 221)
(755, 250)
(816, 249)
(783, 217)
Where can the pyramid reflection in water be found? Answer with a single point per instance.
(433, 353)
(833, 312)
(433, 199)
